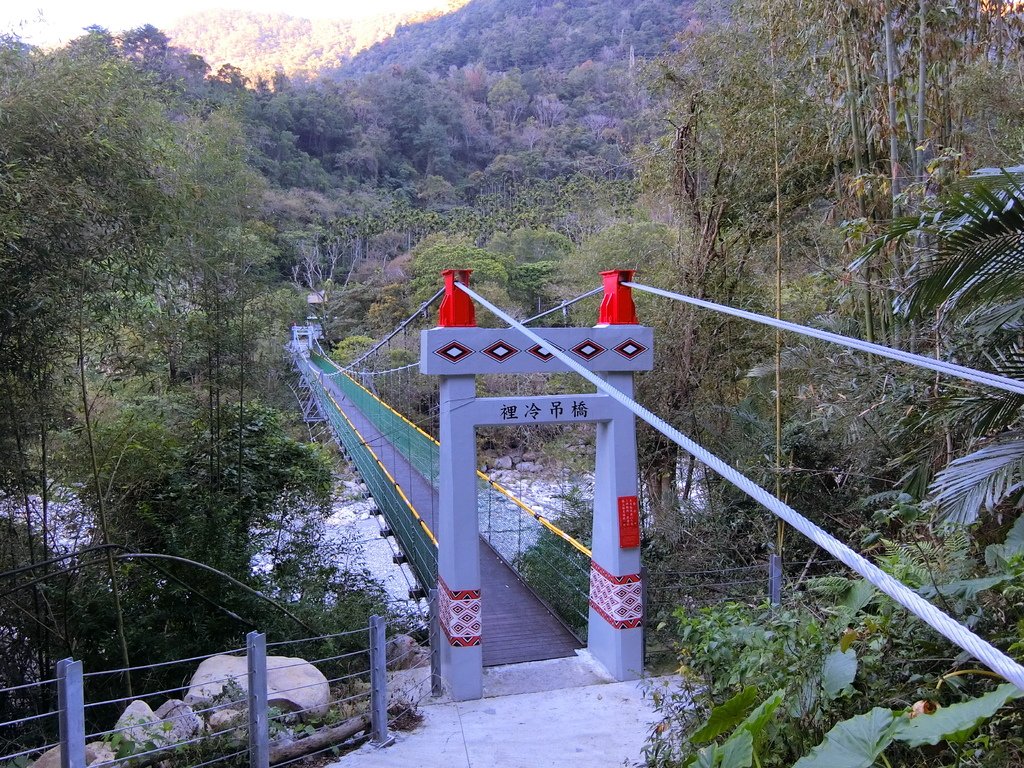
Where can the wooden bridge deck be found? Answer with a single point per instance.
(517, 626)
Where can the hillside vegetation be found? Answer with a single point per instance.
(265, 43)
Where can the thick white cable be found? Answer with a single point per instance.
(421, 310)
(945, 625)
(950, 369)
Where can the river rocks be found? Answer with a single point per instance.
(140, 725)
(503, 462)
(184, 722)
(225, 719)
(403, 652)
(95, 752)
(528, 466)
(293, 685)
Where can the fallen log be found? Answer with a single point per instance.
(326, 737)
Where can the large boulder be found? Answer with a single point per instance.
(140, 725)
(293, 685)
(179, 720)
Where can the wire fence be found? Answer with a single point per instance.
(35, 729)
(241, 707)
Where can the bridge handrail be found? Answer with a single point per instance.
(940, 366)
(941, 622)
(380, 464)
(482, 475)
(388, 475)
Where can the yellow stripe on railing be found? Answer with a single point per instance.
(427, 435)
(498, 487)
(384, 469)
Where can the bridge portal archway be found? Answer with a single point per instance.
(458, 351)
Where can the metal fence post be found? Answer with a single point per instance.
(379, 682)
(436, 686)
(259, 725)
(775, 579)
(71, 715)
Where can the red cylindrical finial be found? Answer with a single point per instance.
(456, 309)
(617, 306)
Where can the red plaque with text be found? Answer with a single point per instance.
(629, 522)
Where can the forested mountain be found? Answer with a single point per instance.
(264, 43)
(530, 34)
(405, 116)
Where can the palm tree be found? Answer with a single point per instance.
(973, 277)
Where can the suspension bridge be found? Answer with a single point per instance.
(511, 585)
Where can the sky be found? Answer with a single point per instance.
(52, 22)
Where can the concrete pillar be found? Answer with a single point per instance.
(458, 564)
(615, 635)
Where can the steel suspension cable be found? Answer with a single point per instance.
(563, 306)
(950, 369)
(942, 623)
(421, 310)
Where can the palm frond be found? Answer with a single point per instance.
(988, 319)
(983, 479)
(989, 411)
(979, 236)
(977, 229)
(799, 358)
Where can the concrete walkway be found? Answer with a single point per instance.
(562, 713)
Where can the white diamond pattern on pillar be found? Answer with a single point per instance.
(459, 612)
(618, 599)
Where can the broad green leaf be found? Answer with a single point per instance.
(860, 595)
(968, 588)
(1015, 540)
(853, 743)
(738, 751)
(849, 638)
(708, 757)
(838, 671)
(957, 721)
(726, 716)
(996, 554)
(758, 719)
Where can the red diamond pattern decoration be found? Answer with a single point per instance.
(501, 351)
(630, 349)
(588, 349)
(543, 353)
(618, 599)
(453, 352)
(459, 612)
